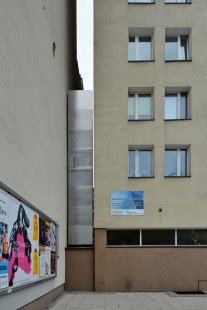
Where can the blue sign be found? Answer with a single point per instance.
(127, 203)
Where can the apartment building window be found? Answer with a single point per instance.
(178, 44)
(177, 162)
(177, 1)
(139, 106)
(176, 106)
(140, 162)
(140, 47)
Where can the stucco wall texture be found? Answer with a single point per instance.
(183, 200)
(33, 98)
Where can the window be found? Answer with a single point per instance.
(176, 106)
(158, 237)
(176, 48)
(139, 106)
(140, 44)
(140, 163)
(192, 237)
(177, 1)
(141, 1)
(176, 162)
(123, 237)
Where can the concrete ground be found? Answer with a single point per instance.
(129, 301)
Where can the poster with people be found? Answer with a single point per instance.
(4, 243)
(27, 243)
(22, 245)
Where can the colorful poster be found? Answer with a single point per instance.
(53, 263)
(35, 262)
(20, 242)
(50, 235)
(127, 203)
(4, 245)
(42, 231)
(42, 264)
(35, 228)
(47, 263)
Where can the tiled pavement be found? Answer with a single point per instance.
(128, 301)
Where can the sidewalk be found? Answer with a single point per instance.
(129, 301)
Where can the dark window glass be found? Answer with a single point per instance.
(184, 47)
(192, 237)
(123, 237)
(131, 39)
(158, 237)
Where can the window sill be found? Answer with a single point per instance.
(178, 3)
(152, 60)
(154, 246)
(179, 60)
(141, 120)
(177, 177)
(177, 119)
(152, 177)
(141, 3)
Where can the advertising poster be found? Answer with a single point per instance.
(53, 263)
(20, 242)
(47, 263)
(4, 243)
(41, 231)
(50, 235)
(127, 203)
(42, 264)
(35, 247)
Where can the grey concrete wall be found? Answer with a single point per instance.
(33, 129)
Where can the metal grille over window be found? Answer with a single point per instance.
(80, 167)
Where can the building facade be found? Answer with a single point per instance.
(38, 67)
(150, 142)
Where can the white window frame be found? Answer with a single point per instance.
(178, 105)
(178, 168)
(141, 1)
(178, 2)
(136, 46)
(136, 163)
(136, 106)
(179, 46)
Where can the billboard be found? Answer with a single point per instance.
(27, 243)
(127, 203)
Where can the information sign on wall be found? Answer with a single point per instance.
(127, 203)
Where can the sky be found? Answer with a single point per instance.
(85, 41)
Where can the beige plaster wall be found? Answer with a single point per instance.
(183, 200)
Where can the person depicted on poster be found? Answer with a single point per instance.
(20, 247)
(4, 242)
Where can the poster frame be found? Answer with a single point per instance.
(11, 192)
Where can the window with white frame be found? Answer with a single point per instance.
(177, 162)
(177, 1)
(141, 1)
(140, 47)
(140, 162)
(176, 105)
(140, 106)
(177, 47)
